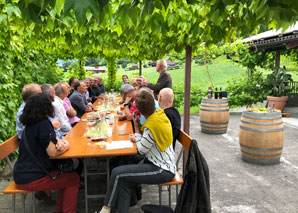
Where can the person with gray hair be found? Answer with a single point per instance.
(129, 102)
(49, 90)
(164, 80)
(61, 92)
(28, 91)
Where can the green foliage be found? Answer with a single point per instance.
(278, 83)
(247, 90)
(112, 72)
(196, 94)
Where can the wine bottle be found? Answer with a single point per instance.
(209, 93)
(216, 93)
(220, 93)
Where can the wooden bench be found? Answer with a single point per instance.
(185, 141)
(7, 148)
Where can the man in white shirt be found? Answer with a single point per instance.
(61, 92)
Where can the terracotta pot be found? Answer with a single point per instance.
(278, 102)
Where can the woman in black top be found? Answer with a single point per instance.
(44, 144)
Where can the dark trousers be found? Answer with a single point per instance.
(125, 177)
(67, 185)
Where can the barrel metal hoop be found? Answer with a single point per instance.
(261, 161)
(262, 113)
(261, 149)
(213, 127)
(215, 123)
(216, 110)
(261, 130)
(262, 124)
(215, 106)
(262, 118)
(213, 101)
(261, 155)
(213, 132)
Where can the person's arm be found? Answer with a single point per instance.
(145, 142)
(161, 82)
(56, 123)
(128, 112)
(54, 150)
(71, 112)
(79, 103)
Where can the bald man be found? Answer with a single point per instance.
(165, 101)
(164, 80)
(28, 91)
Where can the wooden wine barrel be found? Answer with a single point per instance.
(214, 115)
(261, 137)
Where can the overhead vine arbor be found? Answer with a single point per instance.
(35, 33)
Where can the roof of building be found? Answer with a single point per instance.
(275, 39)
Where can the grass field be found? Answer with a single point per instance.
(220, 71)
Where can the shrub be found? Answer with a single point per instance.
(196, 94)
(247, 90)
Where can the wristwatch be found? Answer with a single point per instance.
(125, 104)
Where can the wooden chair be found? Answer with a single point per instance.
(7, 148)
(185, 141)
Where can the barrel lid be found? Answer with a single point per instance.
(266, 114)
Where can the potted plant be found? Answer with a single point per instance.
(278, 83)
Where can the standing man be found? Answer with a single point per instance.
(164, 80)
(78, 100)
(165, 101)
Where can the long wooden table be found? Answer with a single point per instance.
(82, 147)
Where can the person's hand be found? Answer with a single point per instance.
(132, 137)
(145, 82)
(127, 99)
(88, 109)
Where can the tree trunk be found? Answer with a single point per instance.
(140, 68)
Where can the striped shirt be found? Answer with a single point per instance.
(147, 146)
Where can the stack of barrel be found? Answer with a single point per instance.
(214, 115)
(261, 137)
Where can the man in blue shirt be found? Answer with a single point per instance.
(28, 91)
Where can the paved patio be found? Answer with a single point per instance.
(236, 186)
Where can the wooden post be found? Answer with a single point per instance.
(140, 68)
(187, 83)
(277, 60)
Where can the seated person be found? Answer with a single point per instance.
(42, 140)
(159, 163)
(88, 84)
(94, 90)
(124, 80)
(72, 81)
(49, 90)
(140, 81)
(100, 85)
(78, 100)
(61, 92)
(70, 111)
(165, 100)
(129, 103)
(28, 91)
